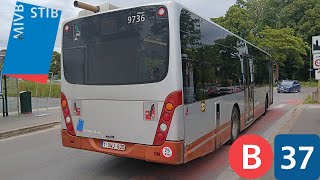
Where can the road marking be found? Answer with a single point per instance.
(279, 106)
(315, 106)
(290, 101)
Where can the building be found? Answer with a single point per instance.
(2, 55)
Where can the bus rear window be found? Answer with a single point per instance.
(117, 48)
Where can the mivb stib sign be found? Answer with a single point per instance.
(31, 42)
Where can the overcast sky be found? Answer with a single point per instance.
(206, 8)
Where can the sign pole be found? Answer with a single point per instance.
(3, 104)
(2, 97)
(310, 69)
(6, 94)
(18, 102)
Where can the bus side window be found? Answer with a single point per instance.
(218, 111)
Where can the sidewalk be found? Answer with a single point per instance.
(305, 120)
(26, 123)
(308, 122)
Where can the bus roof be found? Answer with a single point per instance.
(170, 2)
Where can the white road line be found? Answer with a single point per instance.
(279, 106)
(315, 106)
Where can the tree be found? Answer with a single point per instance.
(309, 25)
(285, 48)
(303, 16)
(55, 65)
(237, 20)
(263, 13)
(283, 27)
(293, 13)
(241, 3)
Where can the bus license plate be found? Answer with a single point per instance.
(111, 145)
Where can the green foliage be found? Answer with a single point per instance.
(237, 20)
(309, 83)
(283, 45)
(310, 100)
(241, 2)
(292, 14)
(309, 25)
(282, 27)
(55, 65)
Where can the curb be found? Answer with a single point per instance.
(287, 126)
(284, 127)
(288, 117)
(27, 130)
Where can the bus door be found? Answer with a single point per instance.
(249, 89)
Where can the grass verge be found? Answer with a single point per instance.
(43, 89)
(309, 83)
(309, 100)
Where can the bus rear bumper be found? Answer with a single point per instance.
(137, 151)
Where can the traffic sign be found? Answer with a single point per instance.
(316, 44)
(316, 61)
(317, 74)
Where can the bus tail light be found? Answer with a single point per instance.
(67, 115)
(162, 12)
(160, 137)
(170, 104)
(166, 116)
(163, 127)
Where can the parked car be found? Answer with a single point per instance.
(289, 86)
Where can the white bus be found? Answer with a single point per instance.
(158, 83)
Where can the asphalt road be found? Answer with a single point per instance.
(41, 156)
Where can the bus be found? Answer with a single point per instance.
(158, 83)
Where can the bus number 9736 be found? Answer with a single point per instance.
(136, 18)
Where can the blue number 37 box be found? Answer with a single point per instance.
(297, 157)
